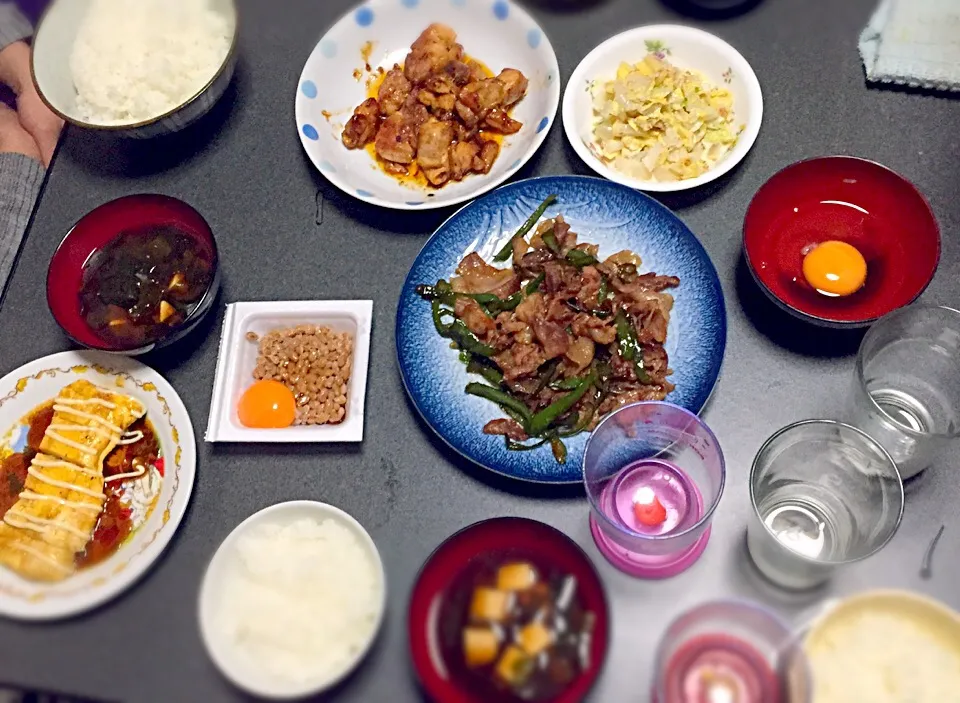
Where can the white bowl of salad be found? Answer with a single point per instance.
(663, 108)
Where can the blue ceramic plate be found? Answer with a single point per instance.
(601, 212)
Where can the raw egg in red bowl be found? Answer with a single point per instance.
(135, 274)
(840, 241)
(508, 610)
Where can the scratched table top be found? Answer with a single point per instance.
(285, 233)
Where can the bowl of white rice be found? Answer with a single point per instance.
(292, 600)
(139, 68)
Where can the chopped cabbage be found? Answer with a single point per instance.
(657, 122)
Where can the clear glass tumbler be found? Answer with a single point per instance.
(906, 388)
(654, 474)
(823, 493)
(730, 650)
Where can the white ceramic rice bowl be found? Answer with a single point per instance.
(225, 655)
(50, 64)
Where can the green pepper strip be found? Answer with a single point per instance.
(629, 346)
(491, 374)
(534, 285)
(602, 293)
(580, 258)
(566, 384)
(550, 414)
(507, 249)
(518, 447)
(438, 313)
(550, 240)
(466, 340)
(503, 399)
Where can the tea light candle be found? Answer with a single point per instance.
(647, 508)
(656, 497)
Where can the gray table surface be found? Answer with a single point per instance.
(243, 168)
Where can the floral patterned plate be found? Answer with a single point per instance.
(685, 47)
(155, 503)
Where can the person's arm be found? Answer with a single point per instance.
(21, 169)
(13, 28)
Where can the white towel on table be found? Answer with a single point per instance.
(915, 43)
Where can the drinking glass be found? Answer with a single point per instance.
(724, 645)
(906, 389)
(654, 473)
(823, 493)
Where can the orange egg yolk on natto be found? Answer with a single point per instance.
(267, 405)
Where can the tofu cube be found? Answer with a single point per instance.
(515, 666)
(534, 638)
(516, 577)
(480, 646)
(489, 604)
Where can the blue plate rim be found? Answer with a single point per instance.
(722, 312)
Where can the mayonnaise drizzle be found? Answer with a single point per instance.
(41, 525)
(42, 557)
(88, 401)
(67, 410)
(49, 463)
(92, 429)
(75, 504)
(131, 437)
(62, 484)
(84, 449)
(140, 471)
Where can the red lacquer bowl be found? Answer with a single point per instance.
(98, 227)
(513, 538)
(852, 200)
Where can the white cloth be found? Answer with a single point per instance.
(914, 43)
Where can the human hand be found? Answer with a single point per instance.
(39, 122)
(34, 117)
(14, 139)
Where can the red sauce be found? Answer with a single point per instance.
(13, 474)
(13, 469)
(115, 524)
(39, 421)
(113, 528)
(712, 661)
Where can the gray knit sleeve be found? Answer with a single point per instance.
(20, 180)
(13, 25)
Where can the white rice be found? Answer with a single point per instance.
(134, 60)
(302, 601)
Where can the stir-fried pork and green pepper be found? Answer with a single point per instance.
(561, 337)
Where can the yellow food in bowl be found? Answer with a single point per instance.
(657, 122)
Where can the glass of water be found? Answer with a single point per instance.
(906, 392)
(824, 494)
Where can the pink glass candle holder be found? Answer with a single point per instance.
(731, 651)
(654, 474)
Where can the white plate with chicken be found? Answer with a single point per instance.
(418, 104)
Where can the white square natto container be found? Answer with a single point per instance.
(238, 356)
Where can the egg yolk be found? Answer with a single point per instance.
(267, 404)
(835, 268)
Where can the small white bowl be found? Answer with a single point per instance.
(684, 47)
(238, 358)
(50, 64)
(377, 34)
(231, 664)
